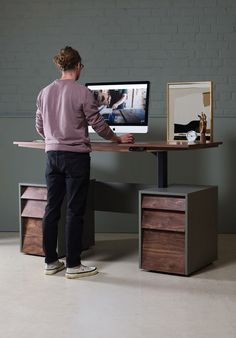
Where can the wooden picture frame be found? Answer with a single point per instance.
(185, 102)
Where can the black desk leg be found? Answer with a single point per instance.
(162, 169)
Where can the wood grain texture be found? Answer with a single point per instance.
(163, 251)
(163, 203)
(34, 208)
(32, 236)
(35, 193)
(151, 146)
(33, 245)
(32, 227)
(163, 220)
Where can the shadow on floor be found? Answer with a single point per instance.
(224, 268)
(113, 250)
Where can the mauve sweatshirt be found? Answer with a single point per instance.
(64, 111)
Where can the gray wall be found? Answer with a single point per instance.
(156, 40)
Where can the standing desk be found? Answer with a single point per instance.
(177, 224)
(158, 148)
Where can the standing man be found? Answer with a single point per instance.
(64, 111)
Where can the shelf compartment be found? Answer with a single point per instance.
(34, 208)
(34, 193)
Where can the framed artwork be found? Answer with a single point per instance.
(186, 102)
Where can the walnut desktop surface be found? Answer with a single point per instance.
(150, 146)
(158, 148)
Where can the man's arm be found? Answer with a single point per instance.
(98, 123)
(39, 119)
(95, 119)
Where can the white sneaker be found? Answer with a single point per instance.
(80, 271)
(52, 268)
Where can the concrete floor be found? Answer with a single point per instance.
(121, 301)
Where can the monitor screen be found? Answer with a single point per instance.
(123, 105)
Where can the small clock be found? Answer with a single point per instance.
(191, 136)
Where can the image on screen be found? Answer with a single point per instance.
(122, 103)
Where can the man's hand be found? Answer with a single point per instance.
(127, 138)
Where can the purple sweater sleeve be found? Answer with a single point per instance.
(95, 119)
(39, 119)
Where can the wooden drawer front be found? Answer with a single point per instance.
(35, 193)
(34, 208)
(163, 251)
(163, 202)
(32, 227)
(162, 220)
(33, 245)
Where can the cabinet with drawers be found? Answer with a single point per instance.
(178, 228)
(32, 203)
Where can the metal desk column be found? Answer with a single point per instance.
(162, 169)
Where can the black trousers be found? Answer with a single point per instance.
(67, 173)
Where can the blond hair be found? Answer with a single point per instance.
(68, 58)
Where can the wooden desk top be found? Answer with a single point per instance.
(151, 146)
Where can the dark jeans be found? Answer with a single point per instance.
(67, 173)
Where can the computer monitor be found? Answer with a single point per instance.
(123, 105)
